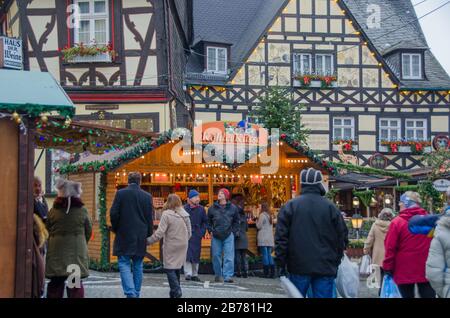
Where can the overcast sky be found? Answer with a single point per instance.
(436, 27)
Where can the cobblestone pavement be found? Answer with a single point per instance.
(108, 285)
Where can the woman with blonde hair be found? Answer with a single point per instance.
(175, 229)
(406, 253)
(265, 239)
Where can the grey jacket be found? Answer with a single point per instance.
(265, 230)
(437, 268)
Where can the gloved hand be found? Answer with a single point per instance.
(389, 273)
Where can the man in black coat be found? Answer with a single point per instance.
(132, 222)
(223, 224)
(310, 238)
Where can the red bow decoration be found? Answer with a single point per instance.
(306, 80)
(394, 147)
(347, 147)
(419, 147)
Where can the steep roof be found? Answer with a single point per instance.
(236, 22)
(400, 29)
(241, 24)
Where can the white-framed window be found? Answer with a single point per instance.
(343, 128)
(93, 22)
(416, 129)
(302, 63)
(217, 59)
(411, 66)
(390, 129)
(324, 64)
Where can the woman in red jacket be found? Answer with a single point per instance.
(406, 253)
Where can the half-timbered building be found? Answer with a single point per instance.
(362, 69)
(136, 83)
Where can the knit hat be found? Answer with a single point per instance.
(68, 189)
(226, 192)
(310, 177)
(410, 199)
(193, 193)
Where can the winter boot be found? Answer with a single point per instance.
(266, 271)
(272, 271)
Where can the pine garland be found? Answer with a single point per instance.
(104, 250)
(364, 196)
(109, 165)
(37, 110)
(370, 170)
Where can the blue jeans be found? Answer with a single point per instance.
(173, 276)
(131, 281)
(227, 247)
(267, 258)
(321, 286)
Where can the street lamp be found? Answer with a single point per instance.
(387, 200)
(355, 203)
(357, 221)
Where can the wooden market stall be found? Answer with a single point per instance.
(103, 175)
(24, 96)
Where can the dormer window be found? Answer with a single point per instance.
(411, 66)
(217, 59)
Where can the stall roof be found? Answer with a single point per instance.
(79, 137)
(33, 93)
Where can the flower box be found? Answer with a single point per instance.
(403, 149)
(314, 84)
(100, 58)
(336, 147)
(355, 252)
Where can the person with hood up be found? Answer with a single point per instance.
(199, 222)
(70, 227)
(310, 238)
(374, 244)
(223, 223)
(406, 253)
(437, 266)
(175, 230)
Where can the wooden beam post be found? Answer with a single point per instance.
(211, 189)
(24, 256)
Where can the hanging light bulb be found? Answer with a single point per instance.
(44, 119)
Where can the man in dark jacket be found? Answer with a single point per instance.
(199, 222)
(40, 204)
(223, 223)
(132, 222)
(241, 242)
(310, 238)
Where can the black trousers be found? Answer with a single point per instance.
(173, 276)
(241, 261)
(425, 290)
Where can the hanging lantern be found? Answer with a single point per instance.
(44, 119)
(15, 116)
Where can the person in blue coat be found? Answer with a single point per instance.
(426, 224)
(199, 223)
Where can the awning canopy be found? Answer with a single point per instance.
(80, 137)
(33, 93)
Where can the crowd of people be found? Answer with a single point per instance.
(309, 242)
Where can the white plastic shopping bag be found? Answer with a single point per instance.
(347, 281)
(365, 266)
(290, 288)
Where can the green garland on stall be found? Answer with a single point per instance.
(407, 188)
(107, 165)
(37, 110)
(331, 194)
(364, 196)
(370, 170)
(104, 249)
